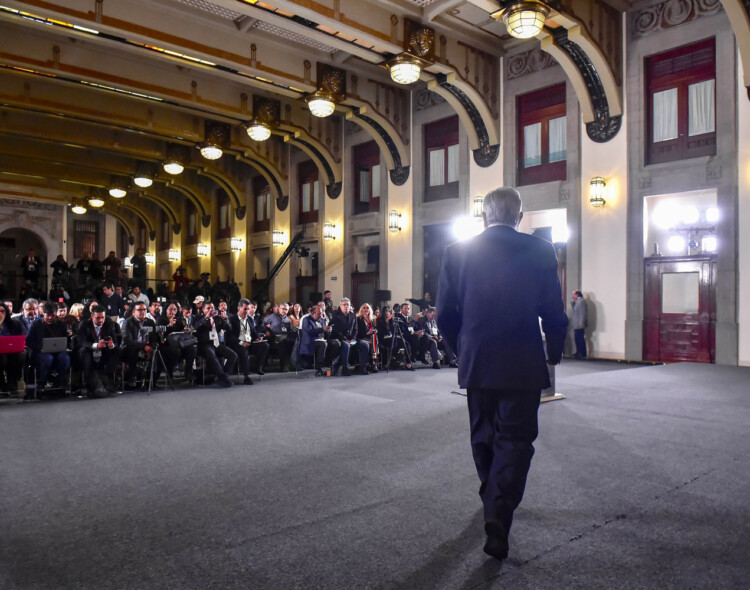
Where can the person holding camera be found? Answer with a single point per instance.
(140, 339)
(245, 340)
(99, 352)
(207, 330)
(180, 343)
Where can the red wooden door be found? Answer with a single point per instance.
(679, 309)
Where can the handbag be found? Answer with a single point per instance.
(181, 340)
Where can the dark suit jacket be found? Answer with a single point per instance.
(131, 330)
(39, 330)
(232, 337)
(203, 328)
(87, 334)
(513, 275)
(343, 327)
(114, 304)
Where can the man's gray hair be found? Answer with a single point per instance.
(502, 205)
(242, 302)
(30, 300)
(344, 299)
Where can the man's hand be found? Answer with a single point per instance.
(246, 344)
(101, 344)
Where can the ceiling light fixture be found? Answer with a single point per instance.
(118, 187)
(265, 116)
(144, 176)
(217, 139)
(405, 69)
(419, 52)
(78, 208)
(523, 20)
(177, 158)
(96, 198)
(331, 89)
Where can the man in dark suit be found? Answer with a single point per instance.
(245, 340)
(501, 359)
(207, 330)
(99, 350)
(344, 329)
(111, 301)
(139, 340)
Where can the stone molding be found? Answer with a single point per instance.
(672, 13)
(528, 62)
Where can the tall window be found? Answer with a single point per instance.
(309, 192)
(441, 152)
(85, 238)
(165, 233)
(366, 178)
(192, 224)
(141, 238)
(224, 227)
(262, 199)
(681, 95)
(542, 136)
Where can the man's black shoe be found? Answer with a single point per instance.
(346, 371)
(225, 383)
(336, 371)
(497, 540)
(260, 372)
(319, 373)
(247, 380)
(436, 366)
(359, 370)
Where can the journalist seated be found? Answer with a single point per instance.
(393, 334)
(245, 340)
(45, 362)
(29, 314)
(282, 335)
(10, 363)
(99, 352)
(180, 344)
(432, 341)
(314, 344)
(344, 329)
(367, 332)
(139, 340)
(207, 330)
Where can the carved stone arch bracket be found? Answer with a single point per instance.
(240, 212)
(269, 173)
(388, 143)
(738, 12)
(480, 135)
(333, 186)
(152, 235)
(176, 228)
(282, 203)
(592, 78)
(206, 220)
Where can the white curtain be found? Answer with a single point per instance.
(260, 202)
(437, 167)
(453, 163)
(305, 197)
(364, 186)
(375, 173)
(316, 195)
(665, 115)
(532, 145)
(558, 139)
(701, 108)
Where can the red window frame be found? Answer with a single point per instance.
(261, 190)
(540, 106)
(365, 156)
(679, 68)
(307, 172)
(440, 135)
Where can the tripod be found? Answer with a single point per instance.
(156, 355)
(397, 334)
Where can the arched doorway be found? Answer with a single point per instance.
(14, 245)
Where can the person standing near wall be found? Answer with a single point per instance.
(580, 321)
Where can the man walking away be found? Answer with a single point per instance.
(501, 358)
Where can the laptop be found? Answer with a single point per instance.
(12, 344)
(53, 345)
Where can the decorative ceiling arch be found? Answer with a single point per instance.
(229, 185)
(161, 202)
(141, 213)
(124, 221)
(269, 172)
(329, 168)
(738, 12)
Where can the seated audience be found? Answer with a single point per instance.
(111, 301)
(428, 324)
(207, 330)
(139, 339)
(99, 352)
(245, 340)
(313, 341)
(175, 347)
(367, 332)
(46, 362)
(344, 329)
(281, 335)
(29, 314)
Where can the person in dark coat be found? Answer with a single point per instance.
(139, 340)
(172, 350)
(207, 330)
(98, 346)
(344, 329)
(245, 340)
(501, 356)
(111, 301)
(44, 362)
(30, 265)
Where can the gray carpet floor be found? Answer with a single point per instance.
(640, 480)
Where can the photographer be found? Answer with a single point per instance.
(244, 339)
(99, 352)
(140, 339)
(210, 348)
(178, 341)
(433, 340)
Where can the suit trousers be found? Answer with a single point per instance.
(212, 353)
(259, 349)
(580, 340)
(503, 427)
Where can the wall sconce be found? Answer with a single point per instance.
(329, 231)
(419, 51)
(150, 258)
(126, 263)
(478, 206)
(78, 207)
(217, 137)
(265, 116)
(598, 192)
(177, 158)
(174, 255)
(144, 176)
(331, 89)
(237, 244)
(523, 20)
(278, 237)
(118, 187)
(395, 221)
(202, 250)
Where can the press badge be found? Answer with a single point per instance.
(214, 338)
(97, 354)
